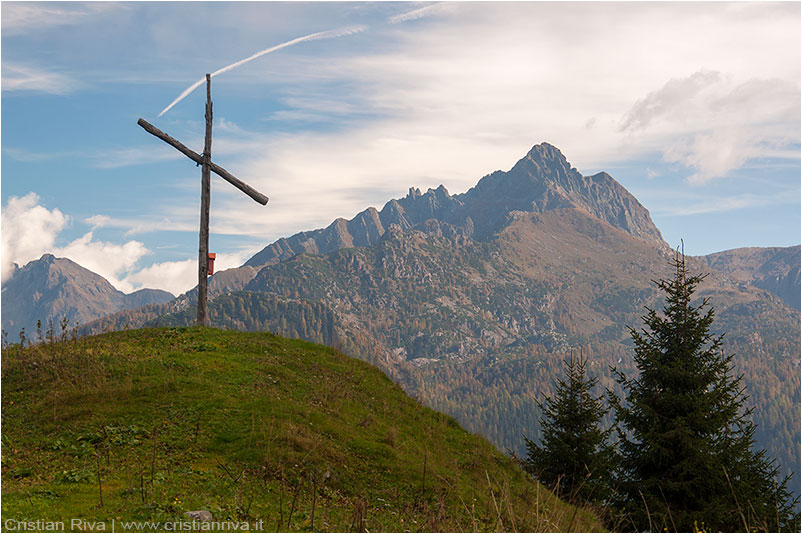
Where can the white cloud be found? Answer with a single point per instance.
(125, 157)
(98, 221)
(677, 99)
(713, 154)
(109, 260)
(178, 277)
(173, 276)
(22, 154)
(418, 13)
(17, 77)
(29, 230)
(683, 202)
(713, 125)
(182, 219)
(230, 260)
(23, 17)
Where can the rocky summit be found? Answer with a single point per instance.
(544, 180)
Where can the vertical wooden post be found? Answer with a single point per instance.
(205, 160)
(203, 249)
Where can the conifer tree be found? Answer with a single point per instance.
(686, 437)
(574, 457)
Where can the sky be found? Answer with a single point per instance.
(693, 107)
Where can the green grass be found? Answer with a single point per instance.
(251, 427)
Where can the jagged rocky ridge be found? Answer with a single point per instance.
(543, 180)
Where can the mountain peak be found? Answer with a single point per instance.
(60, 269)
(546, 151)
(544, 180)
(549, 161)
(441, 191)
(51, 289)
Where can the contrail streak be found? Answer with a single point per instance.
(328, 34)
(417, 13)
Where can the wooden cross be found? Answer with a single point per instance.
(205, 160)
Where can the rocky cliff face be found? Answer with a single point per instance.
(541, 181)
(52, 289)
(365, 229)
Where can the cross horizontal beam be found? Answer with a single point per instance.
(197, 158)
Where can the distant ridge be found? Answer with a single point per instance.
(541, 181)
(52, 289)
(775, 269)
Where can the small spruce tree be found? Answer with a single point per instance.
(686, 437)
(574, 456)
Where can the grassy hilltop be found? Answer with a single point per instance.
(250, 427)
